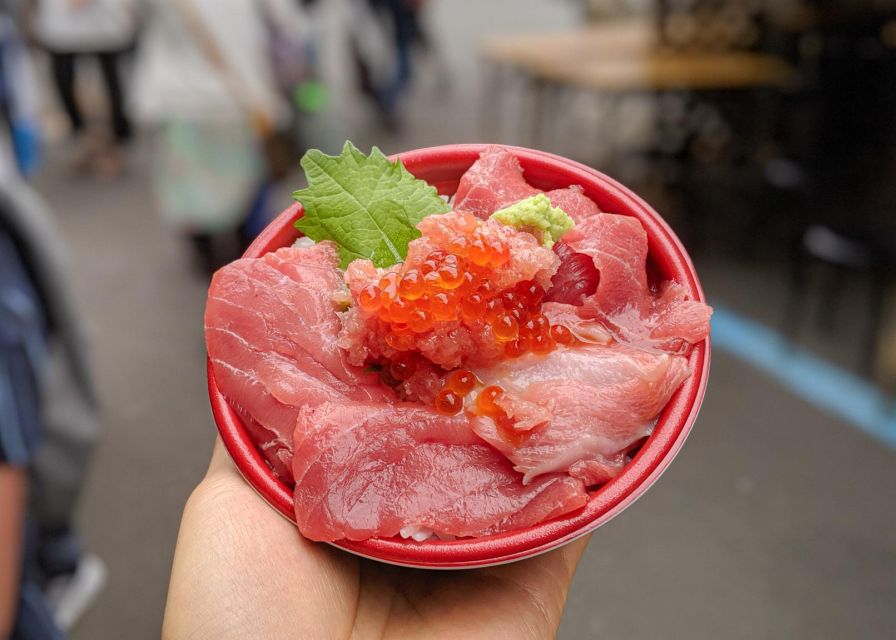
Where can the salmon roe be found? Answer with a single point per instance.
(562, 335)
(461, 381)
(412, 285)
(448, 403)
(402, 367)
(452, 285)
(485, 401)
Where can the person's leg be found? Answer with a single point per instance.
(34, 619)
(109, 65)
(403, 23)
(64, 79)
(204, 252)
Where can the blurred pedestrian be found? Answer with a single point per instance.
(204, 81)
(64, 425)
(49, 421)
(387, 79)
(20, 135)
(71, 30)
(23, 607)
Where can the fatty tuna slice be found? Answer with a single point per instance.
(365, 470)
(598, 401)
(271, 326)
(623, 301)
(496, 181)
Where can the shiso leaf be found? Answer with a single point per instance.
(367, 205)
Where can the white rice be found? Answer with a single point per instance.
(419, 533)
(303, 242)
(416, 532)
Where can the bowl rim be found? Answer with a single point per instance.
(605, 503)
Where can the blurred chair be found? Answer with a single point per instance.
(861, 251)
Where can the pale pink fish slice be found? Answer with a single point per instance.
(365, 470)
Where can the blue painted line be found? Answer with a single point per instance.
(820, 383)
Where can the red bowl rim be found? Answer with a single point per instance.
(605, 503)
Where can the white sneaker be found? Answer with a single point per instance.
(70, 596)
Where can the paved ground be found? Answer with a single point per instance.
(775, 522)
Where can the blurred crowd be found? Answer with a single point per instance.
(217, 86)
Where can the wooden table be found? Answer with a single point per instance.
(618, 58)
(531, 49)
(627, 56)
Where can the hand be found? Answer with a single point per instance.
(243, 571)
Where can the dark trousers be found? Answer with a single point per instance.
(34, 620)
(64, 78)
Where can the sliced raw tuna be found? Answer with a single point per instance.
(585, 330)
(574, 202)
(366, 470)
(618, 247)
(453, 340)
(600, 401)
(271, 328)
(677, 318)
(576, 277)
(493, 182)
(496, 181)
(622, 301)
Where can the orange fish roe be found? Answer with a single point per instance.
(562, 335)
(543, 344)
(443, 306)
(486, 404)
(505, 327)
(402, 367)
(516, 348)
(507, 432)
(412, 285)
(461, 381)
(370, 298)
(472, 307)
(442, 309)
(420, 321)
(485, 401)
(448, 403)
(400, 341)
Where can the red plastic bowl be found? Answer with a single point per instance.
(443, 167)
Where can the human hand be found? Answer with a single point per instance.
(242, 571)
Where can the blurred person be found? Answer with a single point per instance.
(241, 570)
(71, 30)
(19, 107)
(48, 413)
(387, 81)
(48, 423)
(53, 389)
(204, 82)
(23, 607)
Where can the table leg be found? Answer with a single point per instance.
(493, 86)
(542, 97)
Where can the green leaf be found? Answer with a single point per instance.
(367, 205)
